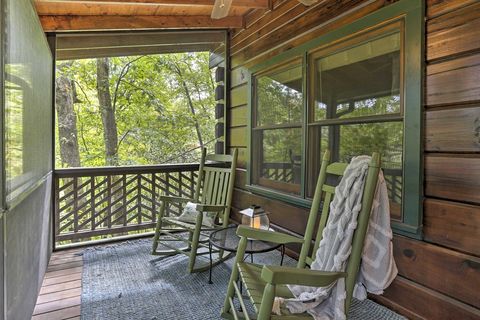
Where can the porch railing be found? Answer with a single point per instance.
(277, 171)
(95, 203)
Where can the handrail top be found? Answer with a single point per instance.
(110, 170)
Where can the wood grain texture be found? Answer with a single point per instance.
(436, 8)
(62, 266)
(123, 22)
(84, 8)
(60, 287)
(256, 14)
(454, 81)
(274, 20)
(453, 177)
(309, 27)
(54, 296)
(237, 137)
(446, 271)
(60, 314)
(452, 225)
(190, 3)
(238, 96)
(418, 302)
(238, 116)
(60, 294)
(453, 130)
(63, 272)
(443, 32)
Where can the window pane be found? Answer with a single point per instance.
(279, 97)
(360, 81)
(348, 141)
(277, 164)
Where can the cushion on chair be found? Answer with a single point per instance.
(189, 214)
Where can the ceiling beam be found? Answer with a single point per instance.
(254, 4)
(77, 23)
(96, 40)
(131, 51)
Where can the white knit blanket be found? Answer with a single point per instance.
(377, 269)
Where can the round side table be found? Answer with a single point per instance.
(227, 239)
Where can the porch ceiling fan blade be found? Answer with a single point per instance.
(221, 8)
(308, 2)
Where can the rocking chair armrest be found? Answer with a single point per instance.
(175, 199)
(266, 235)
(210, 208)
(297, 276)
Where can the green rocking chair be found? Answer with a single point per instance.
(263, 283)
(213, 196)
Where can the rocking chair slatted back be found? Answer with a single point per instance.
(215, 186)
(326, 191)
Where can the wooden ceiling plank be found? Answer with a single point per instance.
(79, 23)
(257, 4)
(97, 9)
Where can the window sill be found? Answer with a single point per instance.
(398, 227)
(404, 229)
(277, 195)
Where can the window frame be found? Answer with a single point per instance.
(410, 14)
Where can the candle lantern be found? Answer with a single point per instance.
(255, 217)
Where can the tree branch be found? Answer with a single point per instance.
(122, 138)
(123, 73)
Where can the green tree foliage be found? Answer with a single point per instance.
(280, 102)
(153, 97)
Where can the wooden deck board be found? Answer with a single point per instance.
(66, 265)
(61, 287)
(60, 295)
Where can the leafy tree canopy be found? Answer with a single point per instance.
(163, 107)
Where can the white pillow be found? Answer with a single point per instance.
(189, 214)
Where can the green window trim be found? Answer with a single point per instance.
(411, 12)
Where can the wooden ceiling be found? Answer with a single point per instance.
(81, 15)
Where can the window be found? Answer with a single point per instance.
(356, 106)
(356, 90)
(277, 130)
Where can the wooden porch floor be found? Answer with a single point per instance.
(59, 296)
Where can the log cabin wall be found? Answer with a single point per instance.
(438, 277)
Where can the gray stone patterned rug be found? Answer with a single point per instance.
(124, 282)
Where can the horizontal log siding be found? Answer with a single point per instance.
(438, 277)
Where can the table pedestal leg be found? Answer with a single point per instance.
(211, 262)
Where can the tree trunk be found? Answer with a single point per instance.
(67, 122)
(110, 136)
(190, 104)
